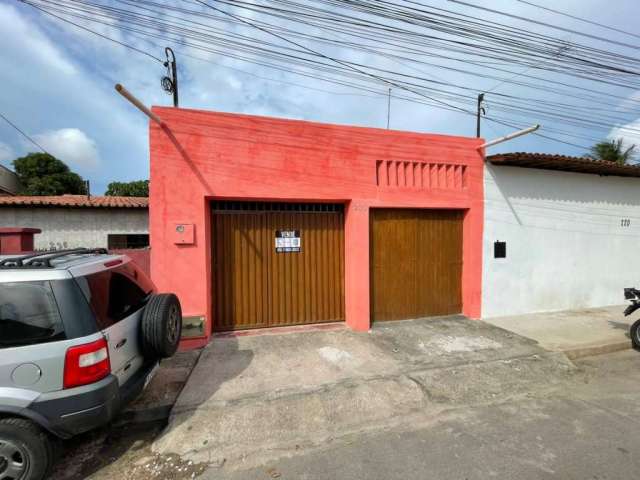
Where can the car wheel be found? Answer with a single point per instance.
(25, 450)
(634, 333)
(161, 326)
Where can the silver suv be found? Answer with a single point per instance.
(81, 333)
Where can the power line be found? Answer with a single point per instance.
(165, 26)
(387, 40)
(22, 133)
(564, 14)
(131, 47)
(345, 64)
(555, 27)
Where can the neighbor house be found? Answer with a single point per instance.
(9, 183)
(559, 233)
(70, 221)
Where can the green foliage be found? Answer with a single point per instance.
(612, 151)
(43, 174)
(138, 188)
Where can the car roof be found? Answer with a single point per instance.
(59, 265)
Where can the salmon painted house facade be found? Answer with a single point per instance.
(261, 222)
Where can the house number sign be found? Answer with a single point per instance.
(288, 241)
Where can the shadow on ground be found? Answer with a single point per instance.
(620, 326)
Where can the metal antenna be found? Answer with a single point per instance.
(170, 81)
(389, 109)
(480, 111)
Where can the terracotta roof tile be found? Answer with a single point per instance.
(564, 163)
(76, 201)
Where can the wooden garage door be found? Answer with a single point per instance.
(255, 286)
(416, 263)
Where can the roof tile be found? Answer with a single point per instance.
(76, 201)
(564, 163)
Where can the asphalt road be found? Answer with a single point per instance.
(590, 430)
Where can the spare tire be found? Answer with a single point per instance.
(161, 326)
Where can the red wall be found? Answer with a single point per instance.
(198, 156)
(140, 256)
(17, 240)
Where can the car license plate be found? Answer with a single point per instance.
(150, 376)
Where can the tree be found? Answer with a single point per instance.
(138, 188)
(612, 151)
(43, 174)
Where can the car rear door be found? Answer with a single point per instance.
(117, 296)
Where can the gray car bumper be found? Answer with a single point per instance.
(70, 412)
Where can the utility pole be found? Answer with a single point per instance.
(480, 110)
(389, 109)
(170, 81)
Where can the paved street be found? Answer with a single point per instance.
(590, 430)
(492, 406)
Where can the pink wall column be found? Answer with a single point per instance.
(472, 229)
(356, 266)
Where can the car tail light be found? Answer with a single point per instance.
(86, 364)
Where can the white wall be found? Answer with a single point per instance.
(8, 181)
(566, 246)
(75, 227)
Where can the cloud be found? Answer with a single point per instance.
(63, 76)
(630, 133)
(70, 145)
(6, 153)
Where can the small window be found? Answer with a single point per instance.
(115, 294)
(120, 241)
(28, 314)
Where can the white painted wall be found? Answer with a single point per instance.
(566, 246)
(75, 227)
(8, 181)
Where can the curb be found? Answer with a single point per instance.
(580, 352)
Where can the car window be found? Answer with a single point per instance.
(115, 294)
(28, 314)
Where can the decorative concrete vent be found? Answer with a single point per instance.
(421, 175)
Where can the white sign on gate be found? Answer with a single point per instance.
(288, 241)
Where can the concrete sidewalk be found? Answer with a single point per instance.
(576, 333)
(251, 399)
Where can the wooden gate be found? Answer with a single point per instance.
(416, 263)
(260, 279)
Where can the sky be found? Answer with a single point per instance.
(58, 87)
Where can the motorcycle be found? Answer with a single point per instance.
(633, 295)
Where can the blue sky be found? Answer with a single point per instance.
(58, 87)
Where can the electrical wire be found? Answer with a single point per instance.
(93, 32)
(376, 30)
(15, 127)
(590, 22)
(327, 57)
(555, 27)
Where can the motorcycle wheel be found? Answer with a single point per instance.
(634, 333)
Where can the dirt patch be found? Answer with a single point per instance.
(123, 453)
(122, 449)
